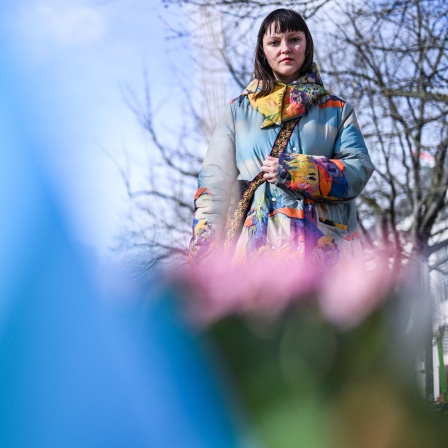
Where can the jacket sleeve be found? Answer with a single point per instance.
(340, 178)
(215, 183)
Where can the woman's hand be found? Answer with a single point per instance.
(270, 169)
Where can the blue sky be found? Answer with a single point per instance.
(91, 357)
(71, 59)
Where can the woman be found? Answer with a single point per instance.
(303, 203)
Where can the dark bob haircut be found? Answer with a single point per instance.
(283, 20)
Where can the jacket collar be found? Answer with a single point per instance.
(286, 101)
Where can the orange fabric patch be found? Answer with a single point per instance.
(290, 212)
(325, 181)
(200, 191)
(332, 103)
(339, 164)
(249, 221)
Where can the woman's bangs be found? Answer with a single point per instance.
(283, 25)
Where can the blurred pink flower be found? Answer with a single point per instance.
(354, 290)
(263, 287)
(268, 286)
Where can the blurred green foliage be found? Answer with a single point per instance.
(306, 383)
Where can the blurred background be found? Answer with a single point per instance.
(70, 62)
(91, 354)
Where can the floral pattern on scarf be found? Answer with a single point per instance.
(286, 101)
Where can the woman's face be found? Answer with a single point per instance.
(285, 53)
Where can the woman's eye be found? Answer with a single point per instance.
(273, 42)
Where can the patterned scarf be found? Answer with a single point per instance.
(286, 101)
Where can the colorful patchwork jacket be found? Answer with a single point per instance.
(310, 213)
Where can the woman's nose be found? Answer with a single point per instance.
(284, 47)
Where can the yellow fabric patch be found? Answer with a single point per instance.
(286, 101)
